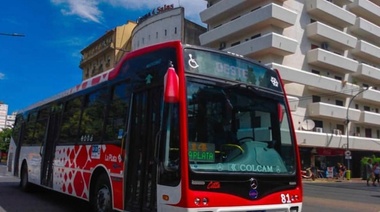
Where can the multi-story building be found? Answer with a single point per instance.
(3, 115)
(328, 54)
(11, 120)
(163, 24)
(105, 52)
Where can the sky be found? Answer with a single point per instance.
(44, 59)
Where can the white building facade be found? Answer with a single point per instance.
(3, 115)
(165, 23)
(328, 54)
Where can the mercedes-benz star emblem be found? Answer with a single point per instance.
(254, 183)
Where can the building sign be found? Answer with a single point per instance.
(155, 11)
(329, 151)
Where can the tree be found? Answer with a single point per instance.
(5, 138)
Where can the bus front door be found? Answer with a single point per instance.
(141, 169)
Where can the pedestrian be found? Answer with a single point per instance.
(376, 172)
(369, 171)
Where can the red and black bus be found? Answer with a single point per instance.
(172, 127)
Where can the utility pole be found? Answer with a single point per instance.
(348, 153)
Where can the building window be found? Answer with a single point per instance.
(340, 127)
(356, 106)
(339, 102)
(377, 133)
(315, 72)
(175, 30)
(338, 77)
(366, 108)
(318, 123)
(156, 34)
(255, 9)
(357, 131)
(236, 43)
(313, 46)
(256, 36)
(368, 132)
(316, 98)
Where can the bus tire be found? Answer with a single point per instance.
(101, 195)
(24, 179)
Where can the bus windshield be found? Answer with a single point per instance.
(237, 128)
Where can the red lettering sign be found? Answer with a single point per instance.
(213, 185)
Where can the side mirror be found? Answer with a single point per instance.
(171, 86)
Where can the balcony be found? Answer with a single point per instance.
(342, 2)
(332, 112)
(371, 96)
(219, 10)
(269, 15)
(270, 43)
(328, 139)
(330, 13)
(377, 2)
(368, 73)
(366, 9)
(367, 51)
(328, 60)
(312, 81)
(320, 32)
(366, 30)
(371, 118)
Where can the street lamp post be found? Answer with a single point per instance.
(347, 121)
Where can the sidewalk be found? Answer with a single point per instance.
(334, 180)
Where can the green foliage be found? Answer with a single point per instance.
(5, 137)
(364, 160)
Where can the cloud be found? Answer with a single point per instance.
(2, 76)
(87, 10)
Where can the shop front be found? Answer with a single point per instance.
(323, 161)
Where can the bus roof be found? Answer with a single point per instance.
(102, 77)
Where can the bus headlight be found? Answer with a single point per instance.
(201, 201)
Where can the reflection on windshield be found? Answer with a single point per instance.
(235, 129)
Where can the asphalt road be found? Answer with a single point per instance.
(12, 199)
(341, 196)
(345, 196)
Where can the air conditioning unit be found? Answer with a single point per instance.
(319, 129)
(337, 132)
(325, 45)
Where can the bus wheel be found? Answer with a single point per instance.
(101, 198)
(24, 178)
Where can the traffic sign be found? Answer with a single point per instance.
(347, 153)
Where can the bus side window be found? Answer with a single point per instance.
(70, 121)
(117, 113)
(29, 138)
(92, 119)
